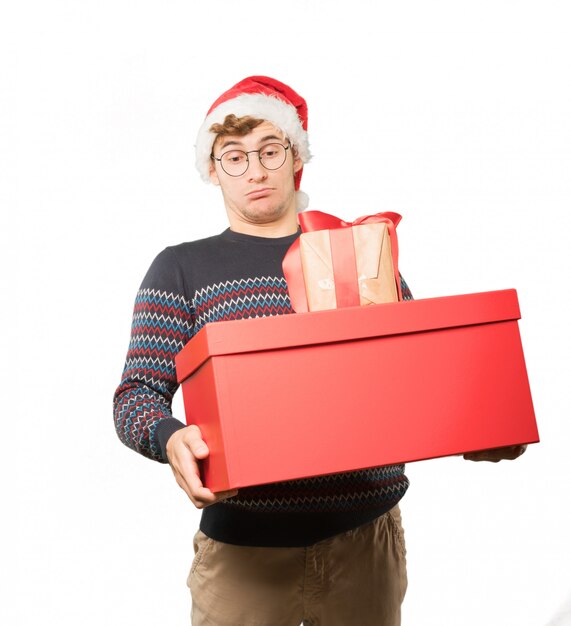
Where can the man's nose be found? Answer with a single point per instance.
(256, 170)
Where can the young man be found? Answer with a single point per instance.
(328, 550)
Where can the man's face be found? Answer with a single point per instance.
(259, 196)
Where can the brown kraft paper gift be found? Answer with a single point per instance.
(374, 261)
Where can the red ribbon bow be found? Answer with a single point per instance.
(342, 254)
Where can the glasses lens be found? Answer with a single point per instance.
(272, 156)
(234, 162)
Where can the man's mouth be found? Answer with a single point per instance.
(259, 193)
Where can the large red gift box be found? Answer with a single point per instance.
(292, 396)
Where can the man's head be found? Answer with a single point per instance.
(256, 173)
(255, 109)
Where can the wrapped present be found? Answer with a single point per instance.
(336, 264)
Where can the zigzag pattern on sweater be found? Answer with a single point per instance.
(162, 325)
(239, 299)
(348, 491)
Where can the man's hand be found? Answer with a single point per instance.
(498, 454)
(185, 448)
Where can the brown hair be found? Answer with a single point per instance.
(233, 125)
(239, 126)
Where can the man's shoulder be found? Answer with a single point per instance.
(174, 268)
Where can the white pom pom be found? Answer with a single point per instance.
(302, 200)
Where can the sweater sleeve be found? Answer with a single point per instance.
(405, 289)
(163, 321)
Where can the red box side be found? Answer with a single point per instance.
(201, 406)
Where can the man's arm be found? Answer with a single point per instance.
(162, 325)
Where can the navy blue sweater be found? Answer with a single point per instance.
(225, 277)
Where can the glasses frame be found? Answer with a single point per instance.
(271, 169)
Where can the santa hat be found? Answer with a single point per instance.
(263, 98)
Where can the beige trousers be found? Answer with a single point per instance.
(357, 578)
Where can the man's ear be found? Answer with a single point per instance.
(297, 162)
(213, 175)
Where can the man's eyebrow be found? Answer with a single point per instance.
(270, 137)
(230, 142)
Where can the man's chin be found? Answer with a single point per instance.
(260, 213)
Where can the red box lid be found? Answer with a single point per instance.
(348, 324)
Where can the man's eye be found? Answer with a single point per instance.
(234, 157)
(269, 153)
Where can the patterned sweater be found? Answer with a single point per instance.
(225, 277)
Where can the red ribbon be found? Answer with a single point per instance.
(342, 254)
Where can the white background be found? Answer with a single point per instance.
(454, 114)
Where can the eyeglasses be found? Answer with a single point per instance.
(236, 162)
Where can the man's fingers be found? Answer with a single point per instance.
(222, 495)
(198, 448)
(186, 450)
(200, 495)
(189, 479)
(203, 497)
(194, 489)
(480, 456)
(189, 472)
(509, 453)
(195, 443)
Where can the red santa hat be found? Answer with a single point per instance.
(263, 98)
